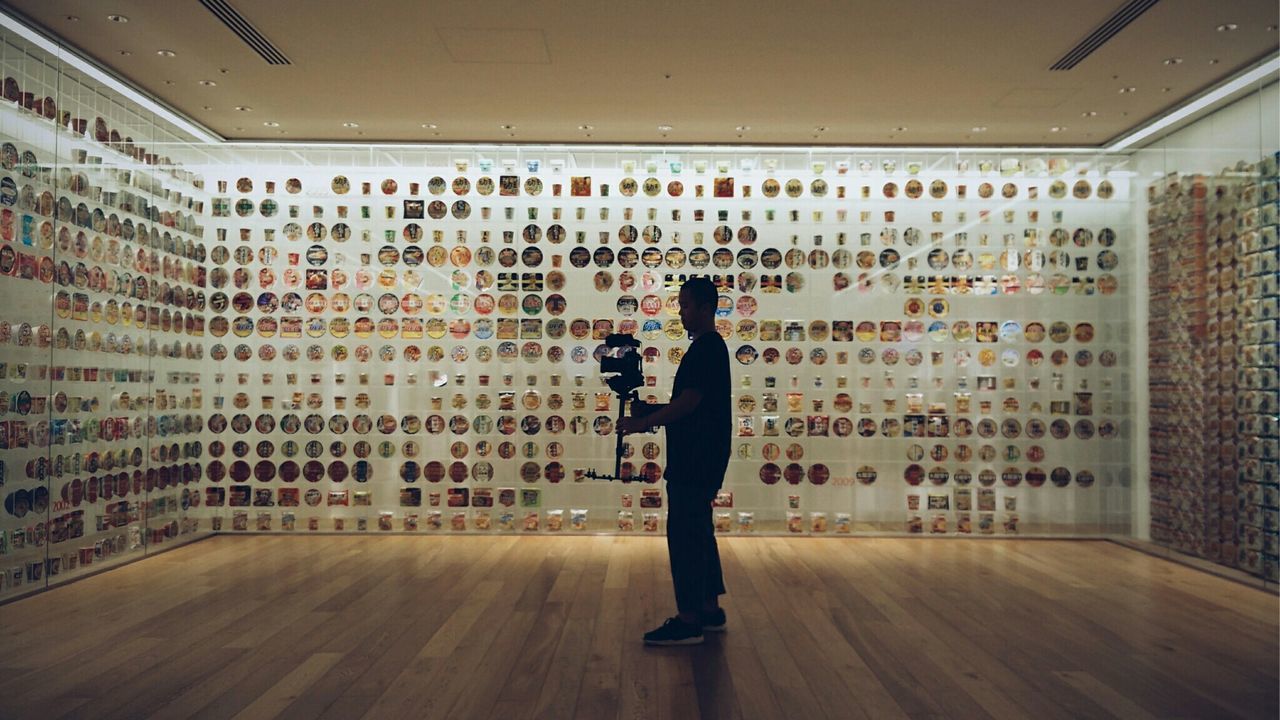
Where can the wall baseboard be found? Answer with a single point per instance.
(179, 543)
(1195, 563)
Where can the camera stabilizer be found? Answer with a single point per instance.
(621, 365)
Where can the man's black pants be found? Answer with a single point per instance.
(691, 543)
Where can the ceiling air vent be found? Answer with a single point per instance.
(1105, 32)
(246, 32)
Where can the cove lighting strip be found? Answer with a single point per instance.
(663, 149)
(1267, 69)
(90, 69)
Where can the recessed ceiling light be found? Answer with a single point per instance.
(1089, 113)
(979, 128)
(239, 129)
(1227, 27)
(742, 128)
(208, 83)
(123, 19)
(664, 128)
(350, 125)
(125, 53)
(1213, 61)
(586, 127)
(1271, 28)
(507, 127)
(271, 123)
(73, 18)
(430, 126)
(900, 128)
(207, 107)
(166, 53)
(168, 82)
(244, 108)
(1173, 61)
(1166, 89)
(1057, 128)
(1127, 90)
(819, 129)
(284, 132)
(224, 71)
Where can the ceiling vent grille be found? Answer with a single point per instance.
(246, 32)
(1105, 32)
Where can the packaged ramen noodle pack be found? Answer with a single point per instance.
(723, 522)
(844, 523)
(651, 522)
(817, 522)
(795, 522)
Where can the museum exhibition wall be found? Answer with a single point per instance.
(236, 338)
(102, 363)
(1214, 447)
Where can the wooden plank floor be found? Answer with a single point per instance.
(549, 627)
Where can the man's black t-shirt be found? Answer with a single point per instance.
(698, 444)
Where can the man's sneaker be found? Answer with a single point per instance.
(713, 621)
(674, 632)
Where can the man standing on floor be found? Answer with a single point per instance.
(699, 429)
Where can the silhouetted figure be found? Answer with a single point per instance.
(699, 428)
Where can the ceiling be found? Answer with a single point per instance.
(911, 72)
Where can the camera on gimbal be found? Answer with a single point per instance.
(620, 364)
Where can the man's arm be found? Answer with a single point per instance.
(677, 409)
(680, 407)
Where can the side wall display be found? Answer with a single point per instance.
(1215, 445)
(101, 274)
(936, 346)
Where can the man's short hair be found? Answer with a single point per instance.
(702, 291)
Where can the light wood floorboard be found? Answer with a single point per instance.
(330, 627)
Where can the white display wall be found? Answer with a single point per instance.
(979, 383)
(1213, 393)
(102, 275)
